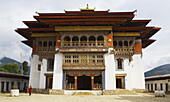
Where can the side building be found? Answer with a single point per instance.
(7, 81)
(159, 82)
(87, 50)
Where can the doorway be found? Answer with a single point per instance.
(49, 82)
(120, 82)
(84, 82)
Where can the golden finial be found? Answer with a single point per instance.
(36, 12)
(135, 11)
(108, 10)
(87, 8)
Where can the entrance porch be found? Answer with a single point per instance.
(83, 80)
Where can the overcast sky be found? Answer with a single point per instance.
(13, 12)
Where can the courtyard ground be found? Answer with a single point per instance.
(83, 98)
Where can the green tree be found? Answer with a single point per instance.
(25, 67)
(10, 67)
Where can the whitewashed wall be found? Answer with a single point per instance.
(110, 82)
(42, 76)
(58, 72)
(135, 72)
(34, 72)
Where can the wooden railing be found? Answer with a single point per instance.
(100, 43)
(70, 86)
(45, 48)
(124, 50)
(83, 44)
(97, 86)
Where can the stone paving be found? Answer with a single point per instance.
(83, 98)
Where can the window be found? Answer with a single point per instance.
(91, 58)
(99, 58)
(148, 86)
(67, 41)
(161, 86)
(120, 43)
(115, 43)
(119, 63)
(83, 59)
(155, 86)
(75, 59)
(39, 67)
(125, 43)
(92, 40)
(67, 58)
(50, 64)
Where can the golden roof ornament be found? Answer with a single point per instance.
(36, 12)
(87, 8)
(135, 11)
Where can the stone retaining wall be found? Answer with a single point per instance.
(109, 92)
(56, 92)
(42, 91)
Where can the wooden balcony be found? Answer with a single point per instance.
(83, 44)
(39, 49)
(123, 50)
(83, 67)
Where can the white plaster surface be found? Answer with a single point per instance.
(42, 76)
(135, 73)
(110, 83)
(34, 72)
(58, 72)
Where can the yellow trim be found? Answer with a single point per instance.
(42, 34)
(82, 28)
(126, 34)
(75, 77)
(121, 81)
(121, 75)
(92, 77)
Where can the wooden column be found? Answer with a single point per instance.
(92, 81)
(110, 40)
(58, 41)
(75, 81)
(138, 46)
(34, 47)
